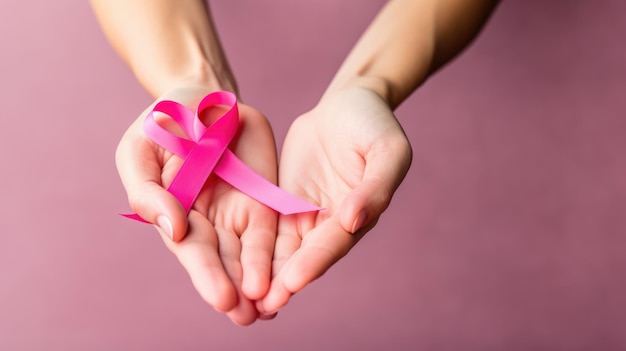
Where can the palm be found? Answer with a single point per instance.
(228, 233)
(347, 151)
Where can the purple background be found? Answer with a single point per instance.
(508, 233)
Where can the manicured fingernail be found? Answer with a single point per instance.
(359, 221)
(165, 225)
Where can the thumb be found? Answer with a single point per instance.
(384, 171)
(156, 205)
(140, 172)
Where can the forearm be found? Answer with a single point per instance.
(166, 43)
(408, 41)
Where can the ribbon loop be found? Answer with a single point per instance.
(205, 150)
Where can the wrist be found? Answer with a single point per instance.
(203, 75)
(377, 85)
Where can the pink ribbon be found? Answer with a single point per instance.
(205, 151)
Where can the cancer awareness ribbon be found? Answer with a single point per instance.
(205, 151)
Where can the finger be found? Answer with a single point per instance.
(291, 229)
(288, 241)
(140, 170)
(385, 168)
(320, 249)
(199, 255)
(259, 233)
(244, 313)
(257, 249)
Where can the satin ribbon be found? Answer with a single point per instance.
(205, 151)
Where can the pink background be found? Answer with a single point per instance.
(508, 233)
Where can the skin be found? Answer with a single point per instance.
(351, 171)
(358, 148)
(226, 233)
(348, 154)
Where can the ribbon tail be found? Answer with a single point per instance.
(134, 216)
(236, 173)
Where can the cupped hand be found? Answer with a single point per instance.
(349, 154)
(226, 241)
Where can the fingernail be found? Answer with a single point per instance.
(267, 316)
(264, 312)
(165, 225)
(359, 221)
